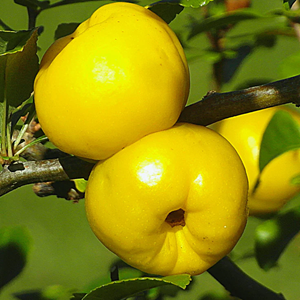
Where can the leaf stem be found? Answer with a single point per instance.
(20, 135)
(32, 16)
(4, 111)
(29, 117)
(8, 137)
(38, 140)
(3, 131)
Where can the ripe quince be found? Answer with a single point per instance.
(245, 133)
(120, 76)
(173, 202)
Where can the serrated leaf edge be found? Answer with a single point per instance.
(141, 279)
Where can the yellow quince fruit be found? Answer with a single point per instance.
(120, 76)
(245, 133)
(173, 202)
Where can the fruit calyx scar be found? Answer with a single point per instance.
(176, 218)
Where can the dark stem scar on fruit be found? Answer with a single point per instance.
(176, 218)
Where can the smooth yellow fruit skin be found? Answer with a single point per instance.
(245, 133)
(189, 167)
(120, 76)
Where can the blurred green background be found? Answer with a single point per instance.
(65, 252)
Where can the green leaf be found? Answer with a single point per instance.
(65, 29)
(194, 3)
(18, 68)
(21, 67)
(273, 236)
(15, 243)
(80, 184)
(166, 10)
(281, 135)
(224, 19)
(124, 273)
(118, 290)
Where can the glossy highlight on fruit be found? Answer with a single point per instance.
(245, 133)
(120, 76)
(173, 202)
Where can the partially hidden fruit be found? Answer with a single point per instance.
(120, 76)
(245, 133)
(232, 5)
(173, 202)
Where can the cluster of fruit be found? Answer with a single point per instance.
(167, 199)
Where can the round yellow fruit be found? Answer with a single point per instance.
(245, 133)
(174, 202)
(120, 76)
